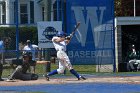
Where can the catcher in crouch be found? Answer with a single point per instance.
(21, 70)
(60, 41)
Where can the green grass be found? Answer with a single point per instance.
(40, 69)
(82, 69)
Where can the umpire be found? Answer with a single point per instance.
(21, 70)
(31, 48)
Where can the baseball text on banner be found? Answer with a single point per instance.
(93, 42)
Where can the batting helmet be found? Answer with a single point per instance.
(60, 33)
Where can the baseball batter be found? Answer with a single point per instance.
(60, 41)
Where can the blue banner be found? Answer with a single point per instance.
(93, 42)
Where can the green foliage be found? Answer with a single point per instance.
(24, 34)
(125, 7)
(28, 33)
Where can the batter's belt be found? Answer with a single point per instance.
(60, 50)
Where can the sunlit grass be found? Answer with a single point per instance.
(82, 69)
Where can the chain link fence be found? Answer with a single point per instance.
(8, 35)
(10, 54)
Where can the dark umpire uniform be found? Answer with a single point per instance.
(21, 70)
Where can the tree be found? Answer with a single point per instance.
(124, 7)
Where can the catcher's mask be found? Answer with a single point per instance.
(27, 54)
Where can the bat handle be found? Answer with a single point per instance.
(71, 35)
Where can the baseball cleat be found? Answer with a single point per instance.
(10, 80)
(47, 77)
(1, 79)
(81, 78)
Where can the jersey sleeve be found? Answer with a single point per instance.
(54, 38)
(24, 48)
(35, 46)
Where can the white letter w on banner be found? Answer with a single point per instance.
(89, 16)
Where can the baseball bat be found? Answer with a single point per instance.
(75, 29)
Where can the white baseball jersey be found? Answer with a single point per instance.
(59, 46)
(62, 56)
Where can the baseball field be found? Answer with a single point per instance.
(123, 82)
(95, 83)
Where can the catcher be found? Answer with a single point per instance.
(21, 70)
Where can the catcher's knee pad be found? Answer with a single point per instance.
(18, 68)
(34, 77)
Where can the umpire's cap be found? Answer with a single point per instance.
(60, 34)
(28, 41)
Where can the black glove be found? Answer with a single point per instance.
(69, 37)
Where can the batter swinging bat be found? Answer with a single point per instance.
(75, 29)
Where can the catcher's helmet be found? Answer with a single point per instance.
(60, 33)
(25, 54)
